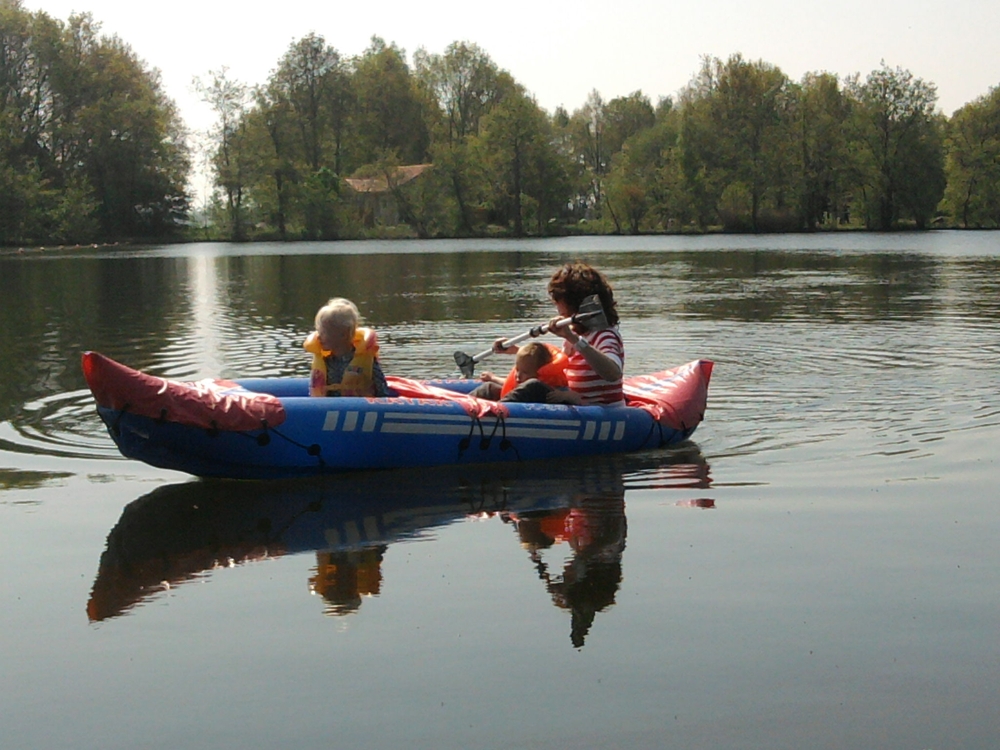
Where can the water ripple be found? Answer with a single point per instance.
(65, 425)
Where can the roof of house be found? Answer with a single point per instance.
(401, 175)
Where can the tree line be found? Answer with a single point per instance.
(742, 148)
(91, 148)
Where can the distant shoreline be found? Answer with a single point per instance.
(392, 237)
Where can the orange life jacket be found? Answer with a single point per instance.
(553, 374)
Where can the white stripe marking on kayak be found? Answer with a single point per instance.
(589, 430)
(332, 417)
(541, 421)
(550, 434)
(619, 430)
(370, 419)
(426, 417)
(605, 431)
(519, 421)
(402, 428)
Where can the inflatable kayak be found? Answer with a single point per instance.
(271, 428)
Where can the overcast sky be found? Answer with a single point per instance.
(561, 51)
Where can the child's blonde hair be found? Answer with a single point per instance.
(339, 314)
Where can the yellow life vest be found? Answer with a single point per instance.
(357, 380)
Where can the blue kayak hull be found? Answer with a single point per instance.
(322, 436)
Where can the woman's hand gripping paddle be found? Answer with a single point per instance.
(590, 315)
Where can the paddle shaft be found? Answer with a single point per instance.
(590, 309)
(535, 333)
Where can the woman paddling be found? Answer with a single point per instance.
(595, 357)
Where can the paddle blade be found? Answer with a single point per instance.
(591, 314)
(466, 364)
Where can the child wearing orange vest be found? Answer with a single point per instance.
(538, 370)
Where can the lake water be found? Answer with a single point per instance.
(818, 568)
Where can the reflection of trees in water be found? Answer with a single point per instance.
(421, 287)
(766, 284)
(52, 308)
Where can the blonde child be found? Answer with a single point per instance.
(345, 356)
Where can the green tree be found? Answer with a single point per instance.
(276, 192)
(232, 159)
(973, 163)
(747, 105)
(526, 172)
(90, 145)
(466, 85)
(314, 83)
(308, 103)
(899, 145)
(135, 156)
(625, 117)
(586, 129)
(626, 195)
(391, 107)
(826, 169)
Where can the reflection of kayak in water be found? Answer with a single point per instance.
(180, 532)
(270, 428)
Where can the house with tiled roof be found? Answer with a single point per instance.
(377, 197)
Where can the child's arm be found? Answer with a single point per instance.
(489, 377)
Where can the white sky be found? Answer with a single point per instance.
(561, 51)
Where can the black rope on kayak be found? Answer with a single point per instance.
(484, 442)
(213, 431)
(312, 450)
(505, 442)
(263, 439)
(465, 442)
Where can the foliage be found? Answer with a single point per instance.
(741, 148)
(827, 172)
(90, 147)
(233, 159)
(972, 197)
(898, 144)
(465, 86)
(526, 173)
(736, 137)
(390, 106)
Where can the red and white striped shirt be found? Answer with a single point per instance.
(580, 376)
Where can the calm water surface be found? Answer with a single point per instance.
(818, 568)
